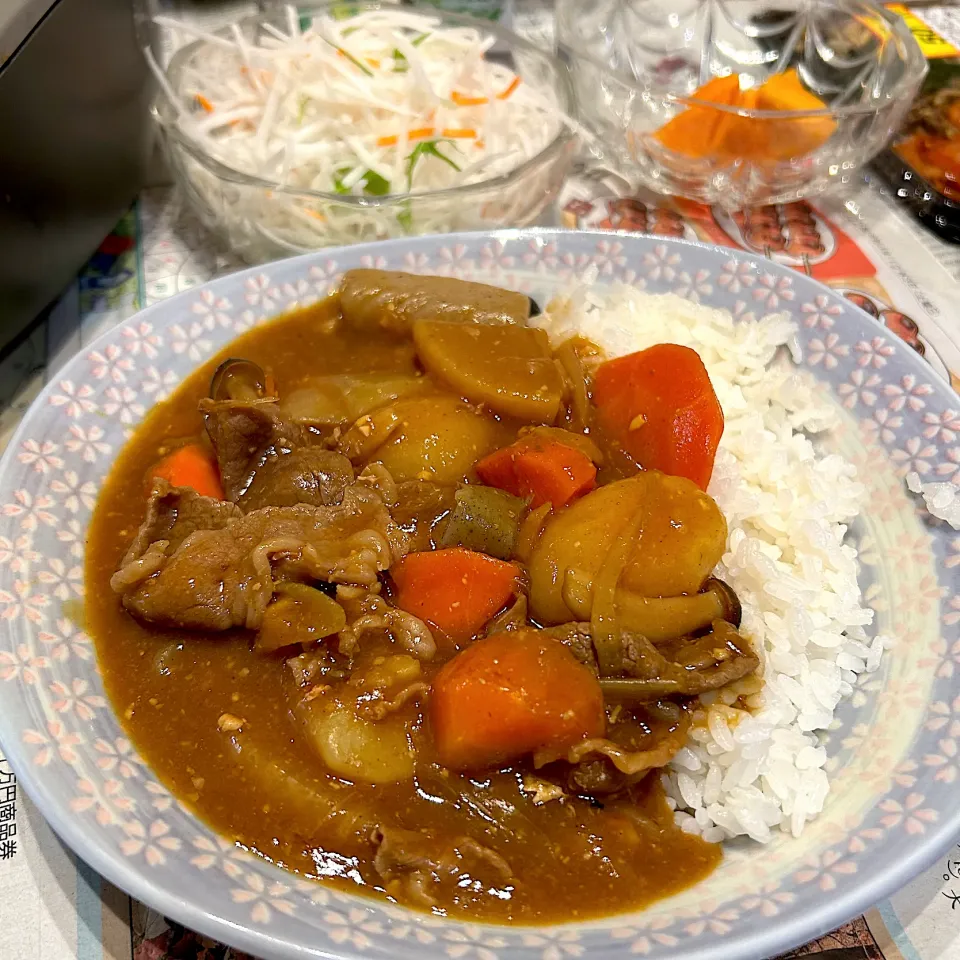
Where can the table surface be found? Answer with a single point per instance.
(53, 907)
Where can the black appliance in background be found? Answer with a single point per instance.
(75, 141)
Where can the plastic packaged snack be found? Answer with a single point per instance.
(922, 164)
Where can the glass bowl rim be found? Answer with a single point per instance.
(915, 64)
(223, 171)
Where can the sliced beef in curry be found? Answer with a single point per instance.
(266, 459)
(203, 564)
(686, 666)
(416, 865)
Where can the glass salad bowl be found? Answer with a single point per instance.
(262, 217)
(739, 102)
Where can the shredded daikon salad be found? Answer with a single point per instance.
(380, 103)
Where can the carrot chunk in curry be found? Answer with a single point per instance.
(417, 623)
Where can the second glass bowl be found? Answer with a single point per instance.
(679, 95)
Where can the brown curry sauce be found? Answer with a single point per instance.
(263, 787)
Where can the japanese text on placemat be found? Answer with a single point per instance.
(952, 876)
(8, 811)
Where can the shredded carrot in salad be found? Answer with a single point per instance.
(391, 140)
(462, 100)
(380, 103)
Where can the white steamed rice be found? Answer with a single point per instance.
(942, 500)
(748, 772)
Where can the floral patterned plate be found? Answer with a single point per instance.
(895, 800)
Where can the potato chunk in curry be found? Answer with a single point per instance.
(437, 438)
(507, 368)
(353, 747)
(681, 538)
